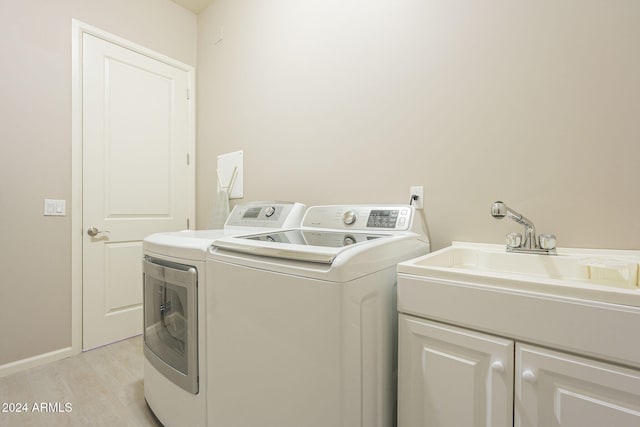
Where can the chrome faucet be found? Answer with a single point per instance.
(543, 244)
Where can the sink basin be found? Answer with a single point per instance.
(601, 275)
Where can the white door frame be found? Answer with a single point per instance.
(78, 28)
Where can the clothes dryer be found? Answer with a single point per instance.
(175, 330)
(302, 322)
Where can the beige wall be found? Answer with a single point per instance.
(338, 101)
(342, 101)
(35, 151)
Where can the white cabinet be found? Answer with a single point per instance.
(557, 389)
(575, 358)
(450, 376)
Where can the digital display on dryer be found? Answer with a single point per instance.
(252, 213)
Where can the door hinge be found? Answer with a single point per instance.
(187, 223)
(188, 160)
(188, 95)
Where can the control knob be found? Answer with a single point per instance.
(348, 240)
(349, 217)
(269, 211)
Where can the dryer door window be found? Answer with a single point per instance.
(170, 321)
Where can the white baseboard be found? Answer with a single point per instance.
(31, 362)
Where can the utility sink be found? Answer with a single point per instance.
(609, 276)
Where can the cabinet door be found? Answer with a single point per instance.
(450, 376)
(557, 389)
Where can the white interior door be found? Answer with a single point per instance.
(136, 130)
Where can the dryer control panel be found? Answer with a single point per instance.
(360, 217)
(266, 214)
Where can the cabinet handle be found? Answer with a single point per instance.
(497, 366)
(529, 376)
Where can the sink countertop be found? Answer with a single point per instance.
(568, 274)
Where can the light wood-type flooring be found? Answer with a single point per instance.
(101, 387)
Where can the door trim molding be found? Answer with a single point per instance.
(78, 28)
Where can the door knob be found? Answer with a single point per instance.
(93, 231)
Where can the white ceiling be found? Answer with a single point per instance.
(196, 6)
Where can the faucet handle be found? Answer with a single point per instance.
(547, 241)
(514, 240)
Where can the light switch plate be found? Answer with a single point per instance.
(53, 207)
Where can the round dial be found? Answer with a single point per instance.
(349, 217)
(348, 240)
(269, 211)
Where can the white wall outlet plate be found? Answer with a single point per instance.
(227, 164)
(417, 190)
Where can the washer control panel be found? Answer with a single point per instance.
(360, 217)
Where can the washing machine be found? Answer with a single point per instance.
(175, 331)
(302, 322)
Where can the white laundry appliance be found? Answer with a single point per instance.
(175, 292)
(302, 322)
